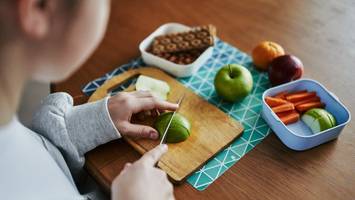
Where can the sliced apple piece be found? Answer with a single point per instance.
(160, 89)
(318, 120)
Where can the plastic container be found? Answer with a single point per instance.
(170, 67)
(298, 136)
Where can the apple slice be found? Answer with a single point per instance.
(160, 89)
(318, 120)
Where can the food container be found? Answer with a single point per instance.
(298, 136)
(170, 67)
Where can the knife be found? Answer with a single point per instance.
(171, 119)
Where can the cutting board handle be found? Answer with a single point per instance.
(115, 81)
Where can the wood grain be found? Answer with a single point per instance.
(320, 33)
(211, 131)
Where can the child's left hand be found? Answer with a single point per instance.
(123, 105)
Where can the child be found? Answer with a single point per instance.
(47, 40)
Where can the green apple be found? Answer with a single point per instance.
(158, 88)
(179, 129)
(233, 82)
(318, 120)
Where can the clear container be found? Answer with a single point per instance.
(298, 136)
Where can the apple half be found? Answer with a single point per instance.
(179, 130)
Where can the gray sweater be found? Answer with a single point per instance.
(68, 132)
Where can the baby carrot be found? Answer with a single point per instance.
(283, 114)
(306, 106)
(283, 108)
(291, 118)
(281, 95)
(300, 96)
(272, 102)
(312, 99)
(296, 92)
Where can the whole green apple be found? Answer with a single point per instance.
(233, 82)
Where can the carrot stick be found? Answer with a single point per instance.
(291, 118)
(282, 114)
(281, 95)
(272, 102)
(312, 99)
(296, 92)
(283, 108)
(300, 96)
(306, 106)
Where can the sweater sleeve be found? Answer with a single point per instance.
(74, 130)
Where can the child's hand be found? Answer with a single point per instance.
(123, 105)
(141, 180)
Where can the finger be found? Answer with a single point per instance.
(153, 156)
(171, 197)
(143, 115)
(151, 103)
(168, 189)
(162, 174)
(142, 94)
(127, 165)
(161, 111)
(170, 194)
(154, 113)
(139, 131)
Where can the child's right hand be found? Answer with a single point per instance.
(142, 180)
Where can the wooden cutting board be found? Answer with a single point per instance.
(212, 129)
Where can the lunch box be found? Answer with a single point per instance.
(168, 66)
(298, 136)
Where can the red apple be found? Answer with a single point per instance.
(285, 69)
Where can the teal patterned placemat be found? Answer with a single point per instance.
(247, 111)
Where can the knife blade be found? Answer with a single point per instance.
(171, 119)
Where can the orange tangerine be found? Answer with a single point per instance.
(265, 52)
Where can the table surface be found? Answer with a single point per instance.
(320, 33)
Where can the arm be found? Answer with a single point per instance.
(74, 130)
(78, 129)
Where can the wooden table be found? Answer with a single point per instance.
(320, 33)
